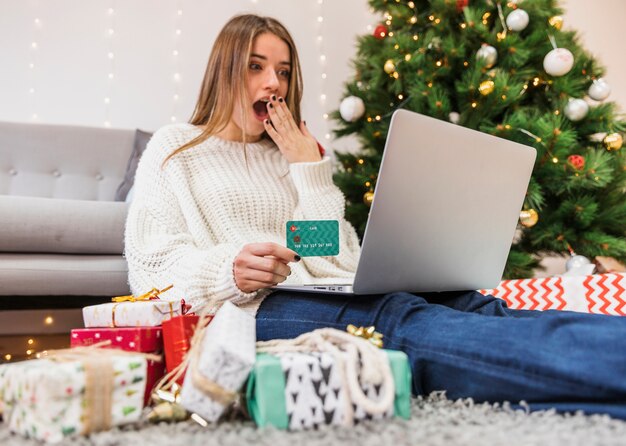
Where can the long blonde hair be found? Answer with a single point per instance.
(226, 76)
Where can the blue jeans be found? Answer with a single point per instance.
(472, 345)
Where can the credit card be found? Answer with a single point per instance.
(313, 237)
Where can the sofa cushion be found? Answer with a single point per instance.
(33, 224)
(141, 141)
(59, 161)
(62, 275)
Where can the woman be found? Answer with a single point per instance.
(211, 201)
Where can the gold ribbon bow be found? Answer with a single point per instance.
(150, 295)
(368, 333)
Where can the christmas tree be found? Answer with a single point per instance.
(510, 70)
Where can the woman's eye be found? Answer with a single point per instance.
(284, 73)
(255, 66)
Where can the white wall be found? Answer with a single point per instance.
(70, 75)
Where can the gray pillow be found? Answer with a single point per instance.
(141, 141)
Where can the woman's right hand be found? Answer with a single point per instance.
(262, 265)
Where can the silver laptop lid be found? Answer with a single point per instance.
(445, 209)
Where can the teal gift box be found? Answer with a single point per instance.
(304, 390)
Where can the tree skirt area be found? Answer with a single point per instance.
(434, 421)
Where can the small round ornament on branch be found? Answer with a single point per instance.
(487, 53)
(389, 66)
(454, 117)
(517, 20)
(576, 110)
(576, 161)
(558, 62)
(578, 265)
(368, 197)
(380, 32)
(351, 108)
(599, 90)
(486, 87)
(528, 218)
(461, 4)
(613, 141)
(556, 22)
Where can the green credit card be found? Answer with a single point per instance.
(313, 237)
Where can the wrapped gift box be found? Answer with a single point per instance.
(303, 390)
(224, 358)
(177, 333)
(145, 313)
(597, 293)
(48, 399)
(133, 339)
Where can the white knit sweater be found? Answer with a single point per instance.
(190, 219)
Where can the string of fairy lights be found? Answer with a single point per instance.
(176, 77)
(33, 65)
(110, 56)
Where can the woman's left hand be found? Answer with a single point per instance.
(295, 142)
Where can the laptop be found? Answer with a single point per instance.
(444, 213)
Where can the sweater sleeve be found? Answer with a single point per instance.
(320, 199)
(159, 248)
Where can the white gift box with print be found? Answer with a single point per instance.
(225, 357)
(147, 313)
(49, 400)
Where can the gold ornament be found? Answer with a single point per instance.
(556, 22)
(486, 87)
(389, 67)
(613, 141)
(528, 218)
(368, 197)
(167, 412)
(368, 333)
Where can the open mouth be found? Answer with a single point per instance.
(260, 109)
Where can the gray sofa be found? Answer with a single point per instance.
(61, 230)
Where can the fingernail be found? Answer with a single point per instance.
(297, 258)
(271, 105)
(280, 99)
(289, 273)
(273, 97)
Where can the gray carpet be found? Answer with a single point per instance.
(434, 421)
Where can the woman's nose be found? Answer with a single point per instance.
(271, 80)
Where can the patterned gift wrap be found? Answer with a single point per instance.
(49, 400)
(177, 333)
(146, 313)
(304, 390)
(224, 357)
(597, 293)
(132, 339)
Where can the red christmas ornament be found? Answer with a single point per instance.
(380, 32)
(460, 4)
(576, 161)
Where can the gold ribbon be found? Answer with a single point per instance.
(367, 333)
(150, 295)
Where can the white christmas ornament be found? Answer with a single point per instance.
(488, 53)
(351, 108)
(599, 90)
(576, 109)
(578, 266)
(558, 62)
(517, 20)
(454, 117)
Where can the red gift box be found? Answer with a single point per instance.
(177, 333)
(132, 339)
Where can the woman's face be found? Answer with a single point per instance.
(268, 74)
